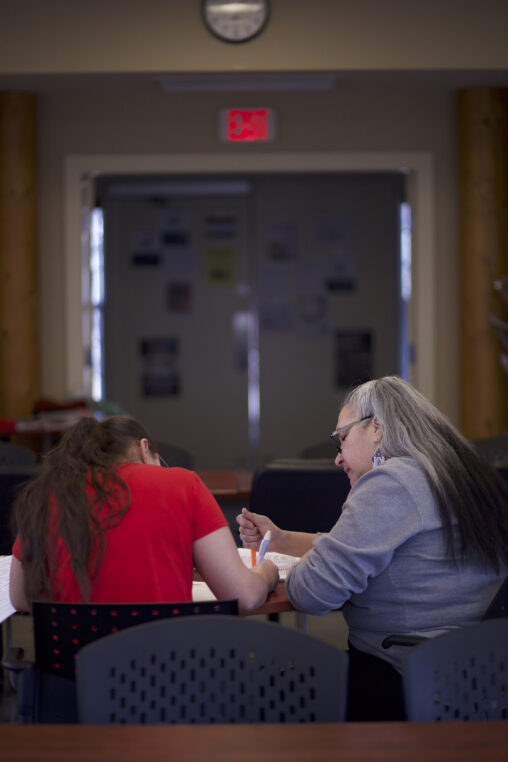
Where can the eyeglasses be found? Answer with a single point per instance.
(335, 436)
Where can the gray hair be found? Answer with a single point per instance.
(411, 424)
(467, 489)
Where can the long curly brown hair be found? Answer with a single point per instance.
(79, 496)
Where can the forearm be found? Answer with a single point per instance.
(262, 580)
(292, 543)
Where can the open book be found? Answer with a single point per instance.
(201, 591)
(6, 607)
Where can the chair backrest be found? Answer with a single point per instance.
(300, 495)
(211, 670)
(322, 450)
(175, 456)
(61, 629)
(462, 675)
(494, 448)
(11, 454)
(498, 607)
(47, 691)
(12, 479)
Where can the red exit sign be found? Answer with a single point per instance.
(241, 125)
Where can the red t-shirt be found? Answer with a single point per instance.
(148, 554)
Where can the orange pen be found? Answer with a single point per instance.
(253, 556)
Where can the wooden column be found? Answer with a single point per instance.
(19, 339)
(483, 164)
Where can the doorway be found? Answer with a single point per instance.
(238, 308)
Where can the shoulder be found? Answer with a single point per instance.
(404, 471)
(399, 483)
(146, 474)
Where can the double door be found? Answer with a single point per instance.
(239, 309)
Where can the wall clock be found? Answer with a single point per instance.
(235, 20)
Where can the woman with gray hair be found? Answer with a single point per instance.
(421, 546)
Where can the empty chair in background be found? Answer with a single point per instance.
(300, 495)
(321, 451)
(12, 454)
(12, 479)
(175, 456)
(211, 669)
(494, 449)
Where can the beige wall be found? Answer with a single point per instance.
(367, 112)
(58, 36)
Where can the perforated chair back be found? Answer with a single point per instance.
(11, 454)
(47, 689)
(12, 479)
(61, 629)
(300, 495)
(494, 448)
(462, 675)
(175, 456)
(211, 670)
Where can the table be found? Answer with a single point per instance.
(347, 742)
(276, 602)
(228, 485)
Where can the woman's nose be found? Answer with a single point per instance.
(339, 459)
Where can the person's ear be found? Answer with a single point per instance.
(378, 429)
(144, 449)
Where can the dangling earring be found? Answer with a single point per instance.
(378, 458)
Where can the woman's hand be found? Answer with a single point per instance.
(253, 527)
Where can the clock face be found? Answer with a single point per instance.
(236, 21)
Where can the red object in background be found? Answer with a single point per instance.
(247, 124)
(45, 404)
(7, 426)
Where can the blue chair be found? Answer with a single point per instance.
(47, 688)
(462, 675)
(211, 670)
(300, 495)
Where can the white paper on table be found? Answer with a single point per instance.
(201, 591)
(6, 607)
(283, 562)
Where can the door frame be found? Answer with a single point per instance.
(79, 172)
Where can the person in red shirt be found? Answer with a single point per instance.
(103, 522)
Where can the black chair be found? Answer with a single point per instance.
(497, 609)
(320, 451)
(211, 670)
(175, 456)
(300, 495)
(12, 479)
(47, 688)
(462, 675)
(494, 449)
(11, 454)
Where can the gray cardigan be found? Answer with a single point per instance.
(384, 561)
